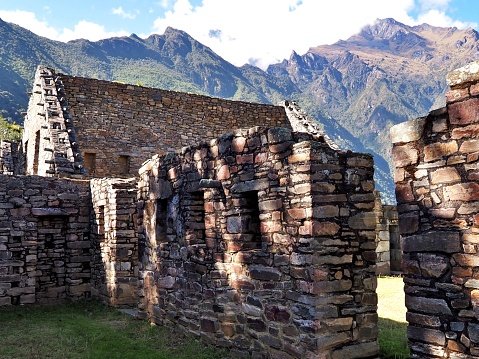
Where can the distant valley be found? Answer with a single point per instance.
(356, 89)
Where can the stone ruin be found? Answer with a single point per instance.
(437, 190)
(263, 240)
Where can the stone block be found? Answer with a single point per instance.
(465, 132)
(264, 273)
(209, 325)
(426, 335)
(445, 175)
(404, 193)
(356, 351)
(363, 220)
(463, 75)
(279, 134)
(469, 146)
(434, 241)
(464, 113)
(407, 131)
(431, 306)
(325, 228)
(438, 150)
(464, 192)
(405, 155)
(457, 95)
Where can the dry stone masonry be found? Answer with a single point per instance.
(437, 190)
(263, 242)
(44, 240)
(114, 241)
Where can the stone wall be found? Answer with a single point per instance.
(9, 158)
(262, 242)
(437, 190)
(44, 240)
(388, 249)
(114, 241)
(120, 126)
(49, 142)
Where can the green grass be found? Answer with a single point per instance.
(392, 318)
(90, 330)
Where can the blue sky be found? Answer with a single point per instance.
(259, 32)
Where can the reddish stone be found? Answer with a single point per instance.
(325, 228)
(474, 89)
(404, 193)
(438, 150)
(457, 95)
(297, 213)
(238, 144)
(469, 146)
(277, 314)
(244, 159)
(463, 113)
(408, 222)
(462, 192)
(405, 155)
(467, 131)
(261, 157)
(223, 173)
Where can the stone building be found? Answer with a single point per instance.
(262, 241)
(241, 223)
(437, 190)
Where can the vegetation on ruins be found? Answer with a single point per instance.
(10, 131)
(91, 330)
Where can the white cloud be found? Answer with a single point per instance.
(123, 14)
(440, 18)
(261, 32)
(29, 21)
(82, 30)
(88, 30)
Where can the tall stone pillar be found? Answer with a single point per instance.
(437, 191)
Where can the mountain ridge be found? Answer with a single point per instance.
(355, 88)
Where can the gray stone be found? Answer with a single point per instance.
(407, 131)
(433, 241)
(427, 305)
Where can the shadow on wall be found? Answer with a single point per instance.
(437, 192)
(261, 241)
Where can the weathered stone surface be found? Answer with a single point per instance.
(408, 223)
(445, 175)
(264, 273)
(462, 192)
(464, 113)
(405, 155)
(438, 150)
(426, 335)
(432, 265)
(362, 350)
(427, 305)
(463, 75)
(435, 241)
(407, 131)
(365, 220)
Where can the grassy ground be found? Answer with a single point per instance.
(91, 330)
(392, 318)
